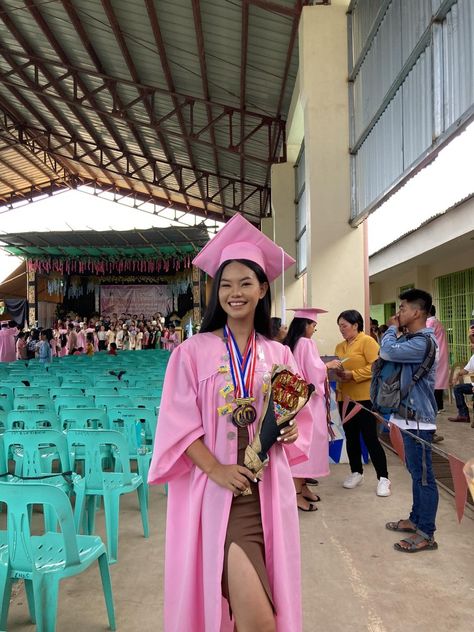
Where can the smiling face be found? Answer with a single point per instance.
(240, 291)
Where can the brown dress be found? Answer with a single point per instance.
(245, 527)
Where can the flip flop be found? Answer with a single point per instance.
(311, 506)
(431, 545)
(312, 500)
(395, 526)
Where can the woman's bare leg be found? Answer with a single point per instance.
(251, 608)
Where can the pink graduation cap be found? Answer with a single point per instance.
(239, 239)
(310, 313)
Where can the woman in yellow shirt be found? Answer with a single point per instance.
(357, 353)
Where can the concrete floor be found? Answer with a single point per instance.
(353, 579)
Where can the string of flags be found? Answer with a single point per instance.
(460, 471)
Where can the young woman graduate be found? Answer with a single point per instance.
(314, 371)
(229, 554)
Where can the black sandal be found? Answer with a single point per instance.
(311, 507)
(431, 545)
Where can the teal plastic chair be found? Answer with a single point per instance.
(65, 391)
(45, 380)
(43, 455)
(73, 402)
(42, 561)
(83, 418)
(108, 485)
(29, 391)
(100, 391)
(138, 425)
(3, 421)
(33, 403)
(6, 398)
(147, 401)
(32, 419)
(112, 401)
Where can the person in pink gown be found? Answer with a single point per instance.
(442, 368)
(314, 371)
(231, 559)
(8, 333)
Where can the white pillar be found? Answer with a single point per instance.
(335, 267)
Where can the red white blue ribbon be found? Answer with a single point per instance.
(242, 367)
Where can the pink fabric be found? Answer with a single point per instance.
(442, 370)
(239, 239)
(198, 509)
(313, 370)
(8, 344)
(81, 340)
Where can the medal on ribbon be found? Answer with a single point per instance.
(242, 369)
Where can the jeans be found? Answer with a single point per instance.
(439, 398)
(425, 492)
(459, 391)
(365, 424)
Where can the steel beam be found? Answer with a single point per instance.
(72, 80)
(113, 160)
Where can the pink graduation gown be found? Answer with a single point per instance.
(8, 344)
(314, 371)
(442, 370)
(198, 508)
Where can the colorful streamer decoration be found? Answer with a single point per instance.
(100, 266)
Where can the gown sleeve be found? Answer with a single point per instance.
(298, 451)
(179, 419)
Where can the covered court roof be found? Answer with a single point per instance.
(153, 242)
(179, 102)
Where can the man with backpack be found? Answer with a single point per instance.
(414, 354)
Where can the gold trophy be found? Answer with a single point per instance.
(287, 395)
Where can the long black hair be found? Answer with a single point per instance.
(296, 331)
(215, 317)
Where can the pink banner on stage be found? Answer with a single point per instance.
(136, 299)
(396, 440)
(460, 484)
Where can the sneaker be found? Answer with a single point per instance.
(353, 480)
(437, 438)
(383, 487)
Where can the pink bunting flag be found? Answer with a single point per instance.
(346, 416)
(396, 440)
(460, 484)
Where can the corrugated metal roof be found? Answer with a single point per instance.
(109, 244)
(181, 100)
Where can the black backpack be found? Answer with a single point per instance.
(385, 388)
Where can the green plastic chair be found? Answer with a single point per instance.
(146, 401)
(102, 381)
(6, 398)
(32, 420)
(45, 380)
(138, 425)
(100, 391)
(73, 402)
(29, 391)
(3, 420)
(33, 403)
(35, 452)
(42, 561)
(108, 485)
(65, 391)
(112, 401)
(83, 418)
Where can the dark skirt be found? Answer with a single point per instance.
(245, 528)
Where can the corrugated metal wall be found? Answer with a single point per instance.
(411, 70)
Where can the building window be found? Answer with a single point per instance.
(454, 301)
(301, 214)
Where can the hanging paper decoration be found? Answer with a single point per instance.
(98, 266)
